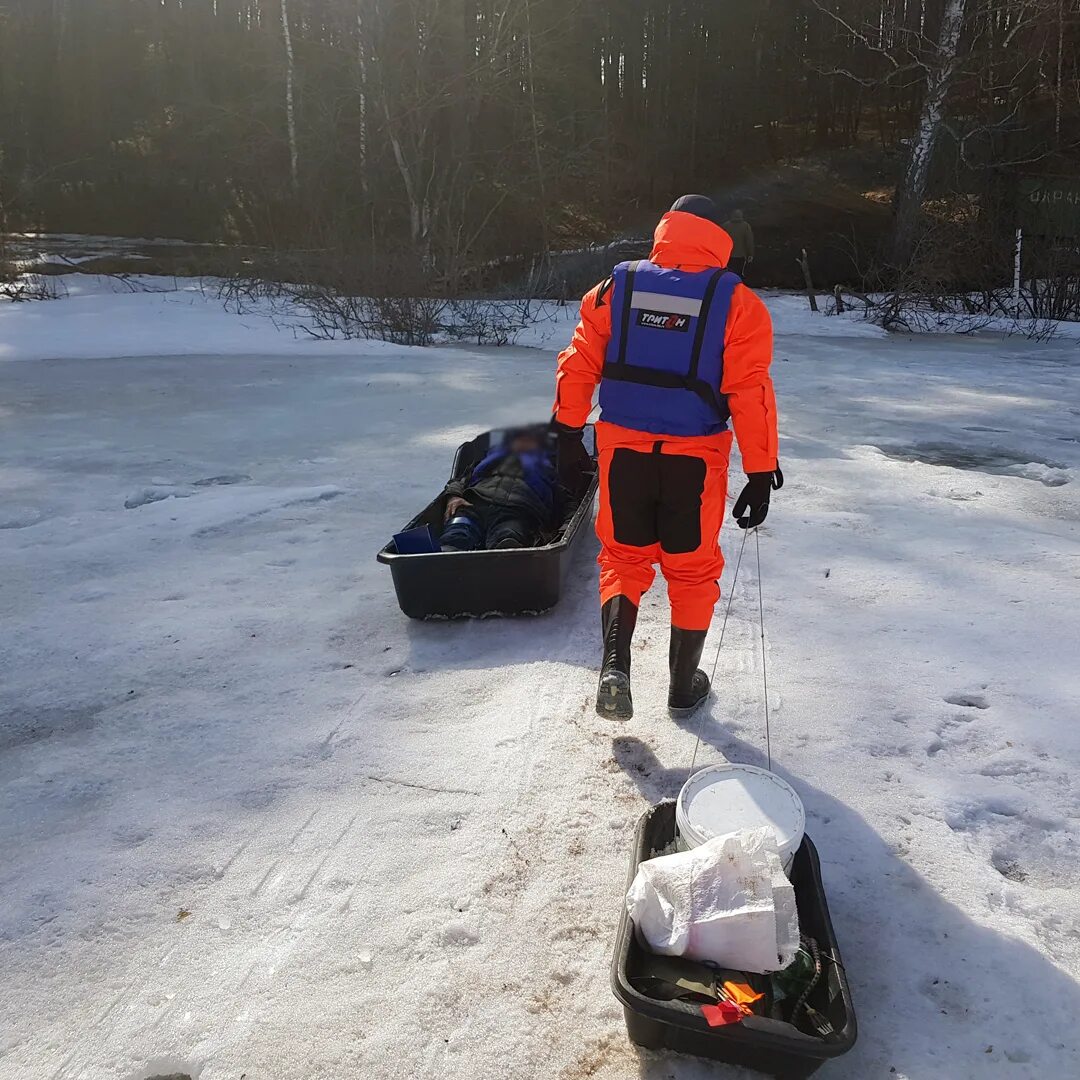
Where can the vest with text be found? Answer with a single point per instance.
(665, 361)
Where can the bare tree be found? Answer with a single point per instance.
(290, 103)
(940, 66)
(991, 49)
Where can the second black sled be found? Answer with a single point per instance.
(769, 1046)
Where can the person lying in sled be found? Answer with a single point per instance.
(507, 500)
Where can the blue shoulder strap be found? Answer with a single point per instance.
(706, 311)
(627, 299)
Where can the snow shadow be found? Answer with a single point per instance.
(935, 993)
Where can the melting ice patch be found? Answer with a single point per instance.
(995, 460)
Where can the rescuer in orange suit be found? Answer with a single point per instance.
(680, 349)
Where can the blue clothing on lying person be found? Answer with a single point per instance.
(535, 467)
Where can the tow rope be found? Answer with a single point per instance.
(720, 646)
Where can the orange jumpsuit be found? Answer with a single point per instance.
(685, 241)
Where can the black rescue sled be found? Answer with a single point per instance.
(519, 581)
(770, 1046)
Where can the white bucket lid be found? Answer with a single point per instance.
(721, 799)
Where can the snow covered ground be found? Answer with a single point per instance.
(255, 823)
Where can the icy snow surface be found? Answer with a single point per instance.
(254, 822)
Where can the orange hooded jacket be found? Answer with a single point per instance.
(691, 243)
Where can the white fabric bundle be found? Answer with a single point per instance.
(727, 902)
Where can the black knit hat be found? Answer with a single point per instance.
(699, 205)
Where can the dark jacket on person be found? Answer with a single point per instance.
(527, 482)
(742, 236)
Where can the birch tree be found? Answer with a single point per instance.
(940, 66)
(290, 103)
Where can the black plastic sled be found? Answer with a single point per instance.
(476, 584)
(767, 1045)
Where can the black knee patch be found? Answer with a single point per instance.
(681, 488)
(633, 489)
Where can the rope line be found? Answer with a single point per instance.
(720, 645)
(764, 664)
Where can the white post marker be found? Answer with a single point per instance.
(1016, 271)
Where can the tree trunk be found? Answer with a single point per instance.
(362, 100)
(940, 70)
(538, 156)
(419, 206)
(290, 109)
(1060, 60)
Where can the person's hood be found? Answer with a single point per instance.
(687, 240)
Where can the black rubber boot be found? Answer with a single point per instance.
(689, 684)
(618, 617)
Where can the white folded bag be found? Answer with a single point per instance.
(727, 902)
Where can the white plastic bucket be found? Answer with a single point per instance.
(721, 799)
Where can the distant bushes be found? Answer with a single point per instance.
(338, 295)
(959, 275)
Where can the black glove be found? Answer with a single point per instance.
(573, 461)
(755, 498)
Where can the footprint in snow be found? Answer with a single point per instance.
(957, 732)
(13, 517)
(223, 480)
(158, 492)
(1007, 865)
(146, 496)
(952, 999)
(459, 933)
(130, 837)
(166, 1068)
(1022, 845)
(967, 701)
(1005, 766)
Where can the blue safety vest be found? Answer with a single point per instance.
(665, 361)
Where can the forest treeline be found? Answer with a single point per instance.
(449, 134)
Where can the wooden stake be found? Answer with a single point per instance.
(805, 264)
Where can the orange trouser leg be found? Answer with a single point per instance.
(693, 577)
(625, 569)
(663, 501)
